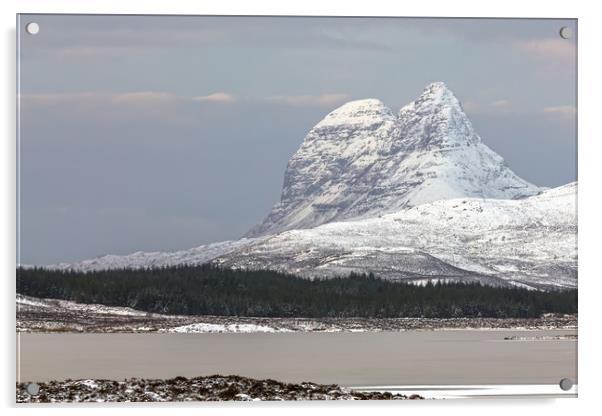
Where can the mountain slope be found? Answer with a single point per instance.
(530, 241)
(197, 255)
(414, 196)
(361, 161)
(526, 242)
(332, 169)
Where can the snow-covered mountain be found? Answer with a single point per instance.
(528, 242)
(197, 255)
(361, 161)
(415, 196)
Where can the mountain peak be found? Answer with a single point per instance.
(438, 86)
(436, 120)
(361, 160)
(436, 96)
(367, 112)
(364, 103)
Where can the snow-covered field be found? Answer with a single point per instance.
(220, 328)
(26, 303)
(53, 315)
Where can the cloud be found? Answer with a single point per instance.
(504, 108)
(83, 98)
(107, 107)
(319, 100)
(548, 48)
(556, 56)
(493, 107)
(322, 100)
(216, 97)
(564, 111)
(145, 97)
(100, 52)
(166, 107)
(501, 104)
(160, 107)
(60, 98)
(133, 99)
(94, 37)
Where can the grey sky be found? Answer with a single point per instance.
(163, 133)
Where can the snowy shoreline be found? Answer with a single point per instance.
(52, 315)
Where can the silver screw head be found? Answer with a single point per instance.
(32, 28)
(33, 389)
(566, 32)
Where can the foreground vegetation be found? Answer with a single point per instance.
(211, 388)
(209, 290)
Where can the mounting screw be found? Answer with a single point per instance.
(32, 28)
(565, 32)
(566, 384)
(33, 389)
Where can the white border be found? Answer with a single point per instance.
(589, 184)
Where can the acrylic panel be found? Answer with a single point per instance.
(295, 208)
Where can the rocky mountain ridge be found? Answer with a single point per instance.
(362, 161)
(415, 196)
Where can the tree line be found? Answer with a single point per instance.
(210, 290)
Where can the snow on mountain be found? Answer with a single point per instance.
(328, 173)
(415, 196)
(528, 242)
(194, 256)
(361, 161)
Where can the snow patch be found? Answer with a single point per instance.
(221, 328)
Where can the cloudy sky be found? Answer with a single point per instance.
(164, 133)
